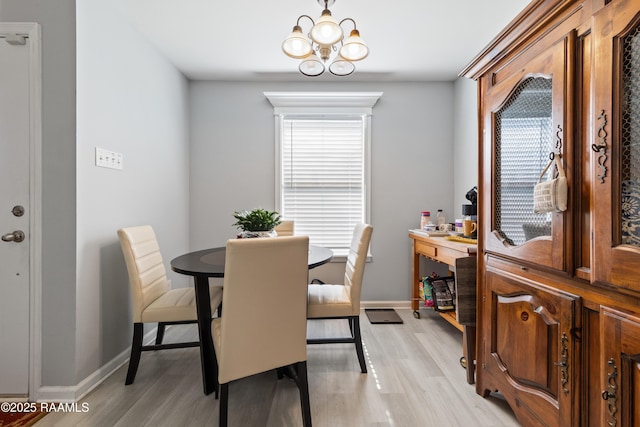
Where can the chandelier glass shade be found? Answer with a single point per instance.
(311, 66)
(326, 31)
(296, 45)
(325, 38)
(354, 47)
(341, 67)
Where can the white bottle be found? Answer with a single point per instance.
(440, 218)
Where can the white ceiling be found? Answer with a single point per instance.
(413, 40)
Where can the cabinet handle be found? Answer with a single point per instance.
(558, 150)
(610, 395)
(564, 363)
(601, 146)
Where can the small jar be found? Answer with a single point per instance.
(425, 218)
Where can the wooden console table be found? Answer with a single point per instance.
(462, 258)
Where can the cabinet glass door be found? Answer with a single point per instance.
(616, 148)
(525, 112)
(524, 141)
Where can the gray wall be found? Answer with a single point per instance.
(465, 136)
(233, 155)
(133, 101)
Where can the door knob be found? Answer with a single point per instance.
(18, 210)
(17, 236)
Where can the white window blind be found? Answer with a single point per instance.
(322, 174)
(322, 177)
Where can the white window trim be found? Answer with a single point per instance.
(320, 104)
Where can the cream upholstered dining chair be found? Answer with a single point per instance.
(152, 299)
(263, 324)
(285, 228)
(327, 301)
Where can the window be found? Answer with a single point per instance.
(322, 160)
(322, 177)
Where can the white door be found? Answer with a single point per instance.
(14, 216)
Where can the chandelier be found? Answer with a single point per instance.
(323, 40)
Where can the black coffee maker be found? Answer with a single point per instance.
(470, 214)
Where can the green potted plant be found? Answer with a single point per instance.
(256, 223)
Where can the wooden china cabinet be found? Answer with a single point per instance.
(558, 323)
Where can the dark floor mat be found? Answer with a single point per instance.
(382, 315)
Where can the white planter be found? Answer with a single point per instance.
(251, 234)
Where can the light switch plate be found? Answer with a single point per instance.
(108, 159)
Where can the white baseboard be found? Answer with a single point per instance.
(13, 398)
(77, 392)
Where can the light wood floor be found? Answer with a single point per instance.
(414, 379)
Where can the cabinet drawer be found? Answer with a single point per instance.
(426, 250)
(449, 256)
(439, 253)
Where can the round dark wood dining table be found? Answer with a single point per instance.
(207, 263)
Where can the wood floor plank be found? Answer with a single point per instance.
(414, 379)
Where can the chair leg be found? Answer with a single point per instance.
(303, 387)
(224, 404)
(358, 341)
(216, 391)
(160, 334)
(136, 351)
